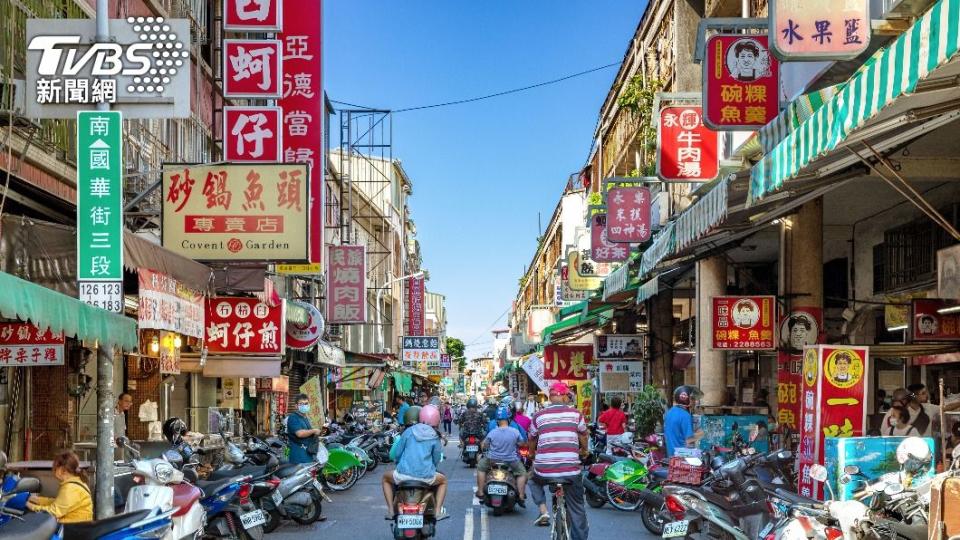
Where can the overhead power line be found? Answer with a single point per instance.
(488, 96)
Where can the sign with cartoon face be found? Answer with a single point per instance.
(744, 322)
(799, 329)
(741, 83)
(928, 324)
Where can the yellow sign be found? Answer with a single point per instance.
(844, 368)
(577, 281)
(312, 268)
(810, 369)
(237, 212)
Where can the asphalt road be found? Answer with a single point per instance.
(358, 513)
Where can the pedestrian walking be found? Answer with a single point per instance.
(447, 419)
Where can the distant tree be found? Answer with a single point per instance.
(455, 349)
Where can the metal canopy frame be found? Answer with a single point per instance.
(734, 24)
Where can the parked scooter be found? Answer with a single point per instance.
(501, 488)
(140, 524)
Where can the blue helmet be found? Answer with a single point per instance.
(503, 413)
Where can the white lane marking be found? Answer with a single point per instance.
(484, 524)
(468, 525)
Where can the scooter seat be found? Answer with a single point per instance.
(29, 484)
(184, 495)
(414, 484)
(288, 470)
(660, 472)
(33, 526)
(92, 530)
(255, 471)
(212, 486)
(610, 458)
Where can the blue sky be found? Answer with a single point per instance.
(481, 172)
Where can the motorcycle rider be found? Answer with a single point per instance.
(472, 422)
(501, 445)
(417, 453)
(678, 422)
(507, 403)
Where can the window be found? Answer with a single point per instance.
(908, 254)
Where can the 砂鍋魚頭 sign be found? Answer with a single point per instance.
(244, 326)
(688, 150)
(237, 212)
(744, 322)
(741, 82)
(819, 29)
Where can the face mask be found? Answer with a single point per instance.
(304, 408)
(894, 422)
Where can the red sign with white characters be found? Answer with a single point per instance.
(252, 15)
(741, 83)
(688, 150)
(347, 285)
(602, 250)
(416, 310)
(567, 362)
(252, 68)
(252, 134)
(302, 103)
(628, 215)
(928, 324)
(744, 322)
(244, 326)
(799, 329)
(25, 345)
(833, 404)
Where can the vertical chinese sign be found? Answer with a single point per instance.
(252, 134)
(601, 249)
(819, 29)
(688, 150)
(252, 15)
(252, 68)
(346, 285)
(302, 102)
(834, 403)
(628, 215)
(741, 83)
(244, 326)
(744, 322)
(567, 362)
(25, 345)
(797, 330)
(100, 209)
(416, 311)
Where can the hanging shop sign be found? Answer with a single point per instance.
(533, 367)
(255, 212)
(445, 362)
(625, 377)
(819, 29)
(565, 293)
(687, 151)
(347, 284)
(833, 403)
(25, 345)
(601, 248)
(797, 330)
(583, 396)
(307, 334)
(416, 309)
(741, 83)
(948, 273)
(244, 326)
(167, 304)
(142, 71)
(567, 362)
(537, 320)
(620, 347)
(580, 273)
(252, 15)
(100, 209)
(420, 350)
(928, 324)
(744, 322)
(302, 102)
(628, 215)
(252, 68)
(252, 134)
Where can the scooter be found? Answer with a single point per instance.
(501, 489)
(414, 511)
(471, 450)
(140, 524)
(232, 513)
(627, 484)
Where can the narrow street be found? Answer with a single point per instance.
(361, 510)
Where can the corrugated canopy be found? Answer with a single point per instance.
(47, 308)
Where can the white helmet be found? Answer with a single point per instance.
(914, 454)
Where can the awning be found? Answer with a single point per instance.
(662, 246)
(355, 359)
(142, 253)
(296, 314)
(796, 113)
(403, 382)
(572, 310)
(703, 215)
(46, 308)
(603, 313)
(896, 350)
(242, 366)
(648, 290)
(892, 72)
(617, 280)
(329, 354)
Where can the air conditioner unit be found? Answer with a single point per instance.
(659, 209)
(905, 9)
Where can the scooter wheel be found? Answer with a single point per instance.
(273, 521)
(653, 518)
(310, 514)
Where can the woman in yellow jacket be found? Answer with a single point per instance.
(73, 502)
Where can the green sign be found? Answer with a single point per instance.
(100, 208)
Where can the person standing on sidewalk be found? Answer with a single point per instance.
(558, 439)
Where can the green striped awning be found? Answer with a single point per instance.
(795, 114)
(931, 42)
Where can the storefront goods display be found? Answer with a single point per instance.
(719, 431)
(874, 456)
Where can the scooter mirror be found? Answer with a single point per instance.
(845, 479)
(851, 470)
(818, 472)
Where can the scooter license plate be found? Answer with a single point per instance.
(277, 498)
(496, 489)
(410, 521)
(252, 519)
(675, 529)
(471, 448)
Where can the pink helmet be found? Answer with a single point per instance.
(430, 415)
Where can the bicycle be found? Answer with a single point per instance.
(560, 526)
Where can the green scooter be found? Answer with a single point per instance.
(627, 484)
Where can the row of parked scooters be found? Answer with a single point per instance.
(248, 489)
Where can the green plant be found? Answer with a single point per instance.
(638, 97)
(595, 199)
(648, 410)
